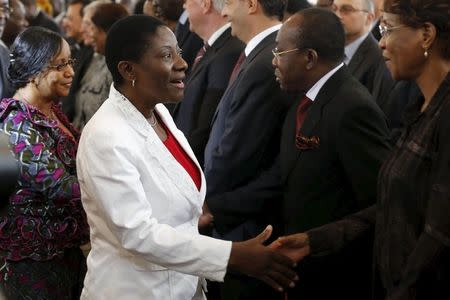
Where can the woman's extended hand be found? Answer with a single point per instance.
(295, 246)
(254, 259)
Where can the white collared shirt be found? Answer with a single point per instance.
(259, 37)
(183, 18)
(218, 33)
(315, 89)
(351, 48)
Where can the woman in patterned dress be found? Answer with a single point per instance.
(42, 224)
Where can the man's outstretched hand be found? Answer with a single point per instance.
(254, 259)
(295, 246)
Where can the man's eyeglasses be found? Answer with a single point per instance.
(386, 31)
(346, 9)
(277, 53)
(70, 62)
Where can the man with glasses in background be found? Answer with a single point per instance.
(243, 146)
(5, 87)
(362, 53)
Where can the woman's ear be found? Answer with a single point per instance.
(428, 35)
(126, 70)
(35, 80)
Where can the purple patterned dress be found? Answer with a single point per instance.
(43, 223)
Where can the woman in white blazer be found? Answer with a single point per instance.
(143, 189)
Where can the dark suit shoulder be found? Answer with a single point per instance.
(260, 67)
(226, 56)
(366, 61)
(348, 95)
(369, 67)
(354, 92)
(343, 85)
(369, 50)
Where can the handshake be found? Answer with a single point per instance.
(272, 264)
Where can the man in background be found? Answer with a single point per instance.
(362, 53)
(210, 74)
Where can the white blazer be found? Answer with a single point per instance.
(143, 210)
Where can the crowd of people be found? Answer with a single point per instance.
(225, 149)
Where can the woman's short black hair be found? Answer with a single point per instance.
(31, 52)
(128, 39)
(415, 13)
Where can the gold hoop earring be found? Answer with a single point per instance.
(133, 82)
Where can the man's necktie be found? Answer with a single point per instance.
(302, 109)
(237, 67)
(200, 55)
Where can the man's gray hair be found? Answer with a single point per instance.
(369, 6)
(218, 5)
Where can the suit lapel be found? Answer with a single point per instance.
(157, 150)
(312, 120)
(175, 170)
(268, 41)
(211, 53)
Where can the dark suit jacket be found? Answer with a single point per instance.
(189, 42)
(369, 67)
(83, 58)
(335, 179)
(243, 145)
(204, 88)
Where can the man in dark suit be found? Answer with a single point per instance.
(209, 78)
(362, 53)
(332, 145)
(244, 139)
(188, 41)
